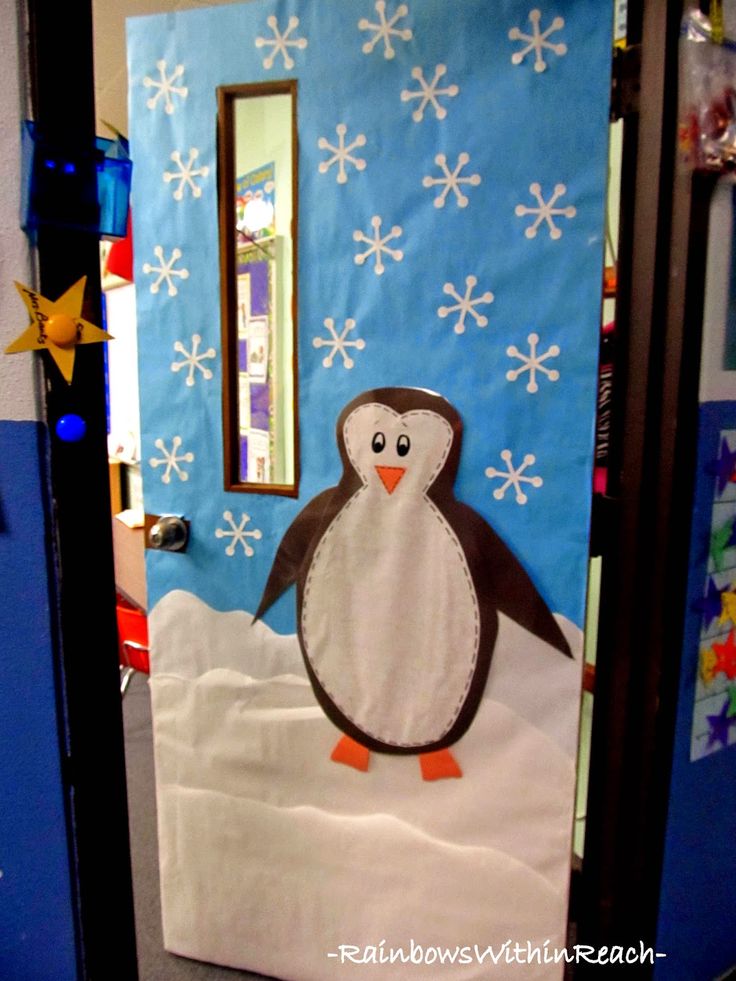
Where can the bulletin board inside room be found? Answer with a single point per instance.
(263, 221)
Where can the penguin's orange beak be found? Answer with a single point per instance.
(390, 477)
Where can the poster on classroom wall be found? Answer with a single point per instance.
(709, 651)
(256, 321)
(255, 204)
(450, 247)
(712, 614)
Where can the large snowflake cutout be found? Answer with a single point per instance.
(338, 343)
(429, 93)
(185, 174)
(238, 534)
(451, 180)
(281, 42)
(537, 41)
(166, 272)
(545, 211)
(166, 90)
(171, 460)
(193, 359)
(341, 154)
(465, 305)
(532, 363)
(385, 29)
(377, 245)
(513, 477)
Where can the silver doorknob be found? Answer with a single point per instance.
(169, 534)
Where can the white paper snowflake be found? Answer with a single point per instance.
(545, 211)
(465, 305)
(532, 363)
(341, 154)
(451, 180)
(166, 90)
(185, 174)
(238, 534)
(338, 342)
(166, 272)
(513, 477)
(281, 42)
(193, 359)
(378, 245)
(429, 93)
(385, 29)
(537, 41)
(171, 460)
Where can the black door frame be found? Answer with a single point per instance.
(647, 516)
(91, 736)
(645, 522)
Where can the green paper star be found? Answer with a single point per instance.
(719, 543)
(731, 710)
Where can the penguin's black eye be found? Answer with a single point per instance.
(403, 445)
(379, 441)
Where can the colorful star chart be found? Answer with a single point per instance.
(714, 716)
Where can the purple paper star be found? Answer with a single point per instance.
(719, 726)
(709, 606)
(724, 466)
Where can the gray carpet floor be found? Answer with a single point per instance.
(154, 963)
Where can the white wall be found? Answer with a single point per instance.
(125, 424)
(17, 372)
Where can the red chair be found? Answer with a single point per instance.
(133, 650)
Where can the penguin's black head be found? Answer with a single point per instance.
(399, 438)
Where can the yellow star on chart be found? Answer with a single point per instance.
(708, 661)
(56, 326)
(728, 607)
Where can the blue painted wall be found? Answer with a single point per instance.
(697, 917)
(36, 921)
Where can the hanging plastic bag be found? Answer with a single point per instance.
(707, 127)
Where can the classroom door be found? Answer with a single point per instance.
(381, 768)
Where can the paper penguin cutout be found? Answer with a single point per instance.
(399, 585)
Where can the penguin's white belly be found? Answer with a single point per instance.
(390, 620)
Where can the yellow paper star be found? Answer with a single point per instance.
(728, 608)
(708, 665)
(56, 326)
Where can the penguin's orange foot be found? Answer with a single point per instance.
(439, 765)
(351, 753)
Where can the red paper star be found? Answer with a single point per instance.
(726, 656)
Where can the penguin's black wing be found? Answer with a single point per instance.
(294, 547)
(500, 578)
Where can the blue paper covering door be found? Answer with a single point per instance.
(451, 183)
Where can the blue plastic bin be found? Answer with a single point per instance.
(73, 187)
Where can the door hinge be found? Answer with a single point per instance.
(625, 81)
